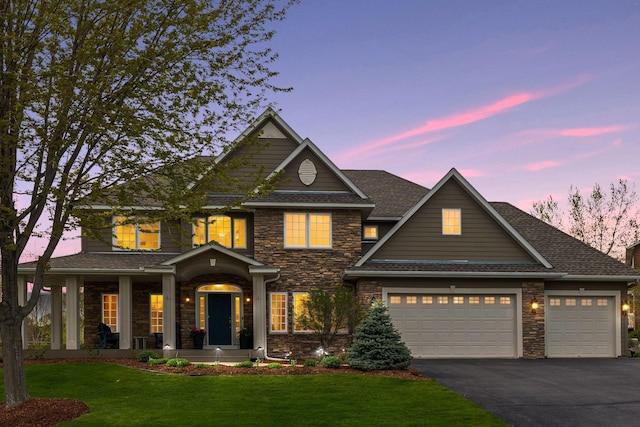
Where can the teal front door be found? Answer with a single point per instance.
(219, 319)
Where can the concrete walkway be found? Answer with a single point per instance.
(550, 392)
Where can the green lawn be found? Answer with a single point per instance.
(120, 396)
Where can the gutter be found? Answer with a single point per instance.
(352, 274)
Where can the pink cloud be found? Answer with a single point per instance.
(586, 132)
(538, 166)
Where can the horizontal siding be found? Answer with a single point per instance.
(270, 153)
(326, 179)
(482, 238)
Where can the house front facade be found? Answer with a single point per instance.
(462, 277)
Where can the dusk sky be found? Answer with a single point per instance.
(524, 98)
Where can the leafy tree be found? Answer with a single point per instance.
(328, 311)
(377, 343)
(606, 220)
(95, 94)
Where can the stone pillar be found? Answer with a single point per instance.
(124, 311)
(73, 313)
(533, 338)
(22, 300)
(259, 312)
(169, 311)
(56, 317)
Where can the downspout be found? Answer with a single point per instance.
(266, 339)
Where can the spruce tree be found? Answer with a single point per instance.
(377, 343)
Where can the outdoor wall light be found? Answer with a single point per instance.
(248, 299)
(625, 307)
(534, 305)
(187, 299)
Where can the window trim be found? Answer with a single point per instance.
(307, 230)
(296, 330)
(285, 314)
(114, 327)
(136, 226)
(372, 227)
(446, 225)
(151, 311)
(233, 226)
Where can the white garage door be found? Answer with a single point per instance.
(579, 326)
(456, 325)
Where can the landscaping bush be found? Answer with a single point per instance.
(201, 365)
(331, 362)
(161, 361)
(377, 343)
(310, 363)
(634, 334)
(177, 362)
(245, 364)
(274, 365)
(145, 355)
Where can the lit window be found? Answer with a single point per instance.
(299, 309)
(130, 235)
(443, 300)
(370, 232)
(474, 300)
(451, 222)
(489, 300)
(602, 302)
(427, 300)
(110, 311)
(458, 300)
(222, 230)
(505, 300)
(278, 312)
(307, 230)
(554, 302)
(586, 302)
(395, 299)
(570, 302)
(156, 313)
(412, 300)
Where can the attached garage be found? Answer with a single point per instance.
(456, 325)
(580, 326)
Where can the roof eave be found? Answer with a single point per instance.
(352, 274)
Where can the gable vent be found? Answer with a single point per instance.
(307, 172)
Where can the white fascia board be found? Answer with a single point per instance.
(310, 145)
(211, 247)
(603, 278)
(452, 274)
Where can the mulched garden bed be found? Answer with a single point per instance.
(41, 412)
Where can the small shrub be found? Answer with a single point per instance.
(331, 362)
(310, 363)
(634, 334)
(274, 365)
(245, 364)
(145, 355)
(177, 362)
(161, 361)
(201, 365)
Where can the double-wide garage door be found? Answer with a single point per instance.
(580, 326)
(456, 325)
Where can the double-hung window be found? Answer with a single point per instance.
(156, 304)
(110, 311)
(224, 230)
(278, 305)
(307, 230)
(131, 235)
(451, 222)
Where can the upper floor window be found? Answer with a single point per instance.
(451, 222)
(307, 230)
(226, 231)
(370, 232)
(132, 235)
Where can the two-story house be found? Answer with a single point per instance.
(462, 277)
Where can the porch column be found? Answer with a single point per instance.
(22, 300)
(56, 317)
(259, 312)
(169, 311)
(73, 312)
(124, 312)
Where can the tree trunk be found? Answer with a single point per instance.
(15, 382)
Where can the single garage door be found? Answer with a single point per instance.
(580, 326)
(456, 325)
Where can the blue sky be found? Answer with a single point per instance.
(524, 98)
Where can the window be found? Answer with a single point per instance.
(227, 232)
(156, 313)
(570, 302)
(395, 299)
(427, 300)
(110, 311)
(411, 299)
(443, 300)
(299, 308)
(586, 302)
(458, 300)
(451, 222)
(129, 235)
(505, 300)
(278, 312)
(303, 230)
(602, 302)
(489, 300)
(474, 300)
(554, 302)
(370, 232)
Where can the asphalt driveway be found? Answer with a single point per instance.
(549, 392)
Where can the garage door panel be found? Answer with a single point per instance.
(456, 325)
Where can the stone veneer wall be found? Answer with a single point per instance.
(533, 338)
(304, 269)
